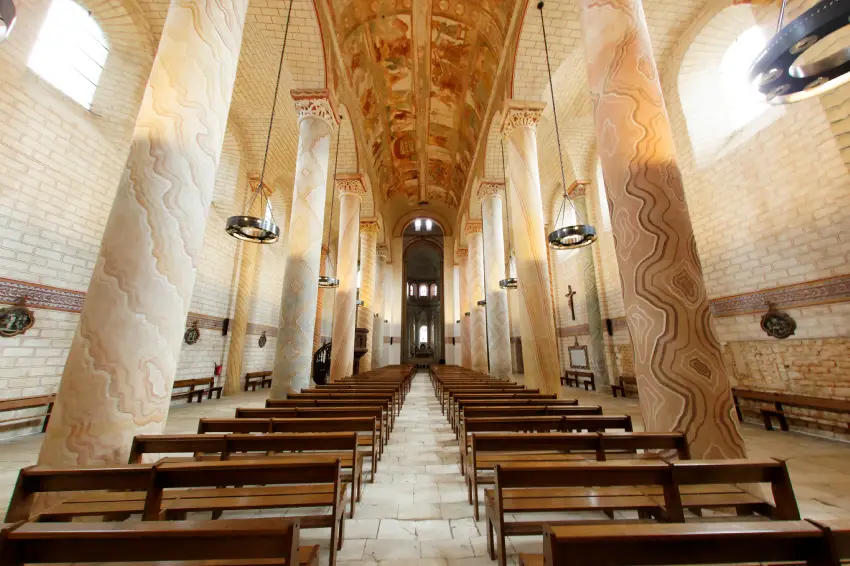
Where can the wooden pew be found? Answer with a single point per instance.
(557, 423)
(664, 544)
(778, 401)
(475, 410)
(22, 403)
(331, 446)
(453, 408)
(321, 413)
(368, 438)
(255, 378)
(171, 490)
(348, 392)
(449, 392)
(385, 402)
(207, 385)
(653, 489)
(579, 377)
(624, 380)
(489, 449)
(225, 542)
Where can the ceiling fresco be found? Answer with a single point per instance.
(422, 126)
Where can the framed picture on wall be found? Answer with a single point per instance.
(578, 357)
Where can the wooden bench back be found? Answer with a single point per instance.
(33, 480)
(352, 424)
(310, 412)
(597, 423)
(475, 410)
(26, 402)
(600, 444)
(693, 543)
(524, 402)
(307, 402)
(822, 403)
(176, 443)
(579, 373)
(253, 374)
(193, 382)
(270, 538)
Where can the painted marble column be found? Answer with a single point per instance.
(681, 378)
(368, 272)
(539, 345)
(351, 190)
(320, 302)
(294, 352)
(462, 255)
(120, 371)
(380, 307)
(244, 290)
(498, 321)
(594, 313)
(475, 287)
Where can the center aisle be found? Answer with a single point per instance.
(417, 511)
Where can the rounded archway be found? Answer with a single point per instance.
(423, 307)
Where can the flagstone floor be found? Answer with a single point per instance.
(416, 513)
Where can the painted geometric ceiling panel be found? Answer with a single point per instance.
(419, 124)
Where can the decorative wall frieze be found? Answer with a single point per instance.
(819, 292)
(370, 227)
(350, 184)
(315, 103)
(13, 292)
(474, 227)
(490, 188)
(520, 114)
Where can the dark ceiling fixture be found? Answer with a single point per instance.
(577, 235)
(775, 72)
(482, 303)
(327, 281)
(7, 18)
(261, 230)
(508, 282)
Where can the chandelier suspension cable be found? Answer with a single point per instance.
(274, 107)
(557, 128)
(508, 282)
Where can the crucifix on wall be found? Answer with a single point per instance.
(570, 296)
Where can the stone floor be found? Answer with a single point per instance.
(416, 513)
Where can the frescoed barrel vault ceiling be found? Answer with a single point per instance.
(422, 72)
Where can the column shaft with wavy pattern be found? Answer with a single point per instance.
(537, 327)
(239, 325)
(680, 374)
(294, 353)
(465, 326)
(498, 321)
(475, 287)
(368, 267)
(350, 189)
(320, 302)
(120, 371)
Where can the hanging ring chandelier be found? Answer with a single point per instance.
(576, 235)
(508, 282)
(776, 72)
(327, 281)
(7, 18)
(261, 230)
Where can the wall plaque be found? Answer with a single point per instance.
(578, 357)
(15, 320)
(192, 334)
(263, 340)
(778, 324)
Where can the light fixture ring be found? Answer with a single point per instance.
(775, 71)
(572, 237)
(328, 282)
(509, 283)
(253, 229)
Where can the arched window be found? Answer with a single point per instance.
(744, 102)
(70, 51)
(423, 334)
(411, 290)
(423, 290)
(433, 289)
(602, 195)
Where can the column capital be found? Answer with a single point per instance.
(369, 227)
(474, 227)
(490, 188)
(315, 103)
(382, 251)
(461, 253)
(578, 188)
(520, 113)
(350, 185)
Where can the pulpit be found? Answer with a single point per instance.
(360, 335)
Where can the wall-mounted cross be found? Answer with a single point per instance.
(570, 295)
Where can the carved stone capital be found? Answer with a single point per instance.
(578, 188)
(315, 103)
(474, 227)
(382, 251)
(490, 188)
(350, 185)
(370, 227)
(520, 114)
(461, 253)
